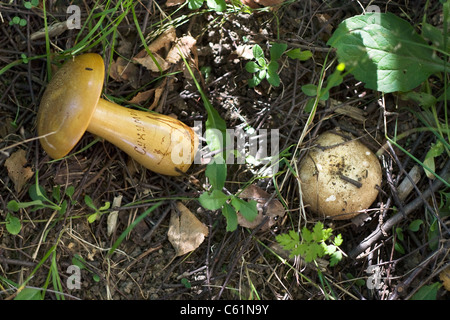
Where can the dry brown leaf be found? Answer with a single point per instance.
(164, 41)
(16, 170)
(266, 206)
(186, 232)
(147, 61)
(124, 71)
(143, 96)
(158, 48)
(445, 278)
(184, 44)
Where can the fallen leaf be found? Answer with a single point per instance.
(266, 206)
(143, 96)
(147, 61)
(16, 170)
(186, 232)
(122, 70)
(445, 278)
(184, 44)
(164, 41)
(158, 48)
(165, 50)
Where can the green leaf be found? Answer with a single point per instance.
(215, 134)
(30, 294)
(422, 98)
(385, 52)
(299, 55)
(246, 208)
(428, 292)
(195, 4)
(399, 232)
(253, 82)
(78, 261)
(38, 193)
(214, 200)
(399, 248)
(261, 74)
(307, 235)
(272, 75)
(217, 5)
(435, 151)
(92, 217)
(231, 217)
(435, 35)
(414, 226)
(13, 224)
(89, 202)
(277, 50)
(186, 283)
(216, 173)
(13, 206)
(310, 90)
(338, 240)
(70, 191)
(258, 53)
(252, 67)
(335, 258)
(289, 241)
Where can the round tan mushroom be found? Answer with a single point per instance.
(339, 176)
(71, 105)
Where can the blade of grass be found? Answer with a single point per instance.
(130, 227)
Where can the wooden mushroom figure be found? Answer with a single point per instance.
(339, 176)
(71, 105)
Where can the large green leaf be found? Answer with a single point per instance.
(385, 52)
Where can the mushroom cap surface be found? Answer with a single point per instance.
(68, 103)
(339, 177)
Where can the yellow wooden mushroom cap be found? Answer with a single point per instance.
(339, 176)
(68, 103)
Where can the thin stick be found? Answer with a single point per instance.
(383, 229)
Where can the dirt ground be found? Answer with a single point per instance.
(243, 264)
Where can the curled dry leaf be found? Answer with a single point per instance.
(16, 170)
(183, 44)
(186, 232)
(266, 205)
(166, 51)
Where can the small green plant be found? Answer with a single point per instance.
(216, 171)
(216, 5)
(39, 200)
(268, 69)
(98, 212)
(323, 93)
(215, 198)
(312, 244)
(19, 21)
(22, 22)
